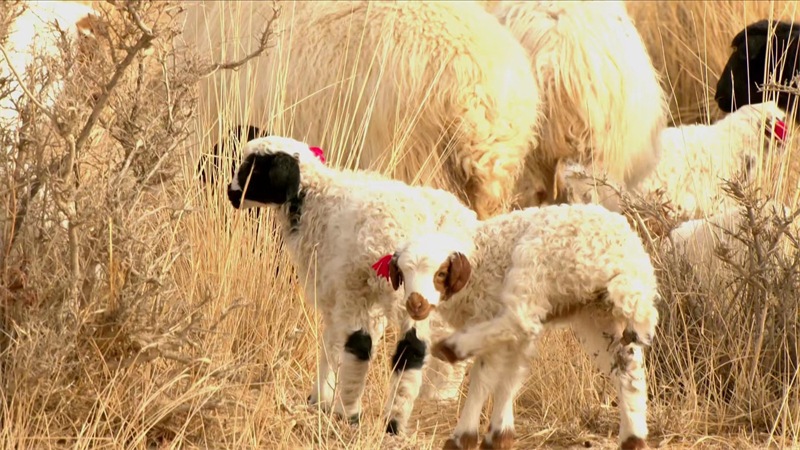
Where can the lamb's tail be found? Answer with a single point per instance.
(633, 296)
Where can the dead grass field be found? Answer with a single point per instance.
(149, 321)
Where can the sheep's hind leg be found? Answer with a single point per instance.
(327, 360)
(407, 364)
(618, 353)
(358, 351)
(501, 428)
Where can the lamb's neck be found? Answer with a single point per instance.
(317, 186)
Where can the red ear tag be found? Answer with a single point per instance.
(318, 153)
(780, 130)
(382, 266)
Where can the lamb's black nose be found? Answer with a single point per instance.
(235, 196)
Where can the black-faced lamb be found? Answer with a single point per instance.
(519, 273)
(761, 48)
(335, 224)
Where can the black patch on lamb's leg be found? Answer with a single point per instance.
(410, 353)
(392, 427)
(359, 344)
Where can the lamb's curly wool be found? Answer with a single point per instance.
(603, 101)
(696, 160)
(336, 223)
(521, 272)
(431, 92)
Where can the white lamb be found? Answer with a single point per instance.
(696, 159)
(519, 273)
(335, 223)
(432, 92)
(603, 100)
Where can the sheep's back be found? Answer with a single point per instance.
(603, 97)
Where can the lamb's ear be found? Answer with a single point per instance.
(459, 273)
(395, 274)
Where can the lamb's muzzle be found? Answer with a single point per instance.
(235, 196)
(418, 307)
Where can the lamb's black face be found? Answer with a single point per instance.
(743, 75)
(274, 179)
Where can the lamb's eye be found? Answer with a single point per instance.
(441, 275)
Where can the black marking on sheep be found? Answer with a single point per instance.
(743, 75)
(274, 179)
(295, 210)
(410, 353)
(359, 344)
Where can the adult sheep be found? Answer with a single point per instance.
(432, 92)
(603, 98)
(742, 80)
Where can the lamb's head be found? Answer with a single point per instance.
(432, 268)
(743, 74)
(270, 172)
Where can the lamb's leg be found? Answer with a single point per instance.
(482, 379)
(515, 326)
(508, 383)
(441, 381)
(359, 349)
(327, 360)
(407, 363)
(618, 353)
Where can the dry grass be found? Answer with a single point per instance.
(151, 322)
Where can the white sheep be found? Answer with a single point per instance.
(335, 224)
(696, 159)
(602, 96)
(432, 92)
(524, 271)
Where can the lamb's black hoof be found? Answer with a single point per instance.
(392, 428)
(355, 419)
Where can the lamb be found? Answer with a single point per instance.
(519, 273)
(334, 223)
(435, 92)
(592, 91)
(695, 161)
(742, 80)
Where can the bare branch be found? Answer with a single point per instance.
(27, 92)
(263, 45)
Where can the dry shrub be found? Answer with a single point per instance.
(99, 341)
(689, 42)
(726, 352)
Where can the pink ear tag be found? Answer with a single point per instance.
(382, 266)
(318, 153)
